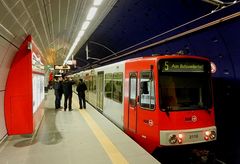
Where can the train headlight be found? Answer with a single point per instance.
(210, 135)
(173, 139)
(180, 138)
(207, 133)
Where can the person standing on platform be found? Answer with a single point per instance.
(57, 86)
(60, 79)
(67, 91)
(81, 88)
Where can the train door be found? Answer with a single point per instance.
(132, 107)
(100, 90)
(147, 115)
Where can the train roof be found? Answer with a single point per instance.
(167, 56)
(154, 57)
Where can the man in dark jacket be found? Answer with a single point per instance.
(57, 86)
(81, 93)
(60, 79)
(67, 91)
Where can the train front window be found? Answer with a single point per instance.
(184, 90)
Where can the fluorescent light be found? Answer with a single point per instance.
(85, 25)
(91, 13)
(97, 2)
(80, 34)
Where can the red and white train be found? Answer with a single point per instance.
(159, 101)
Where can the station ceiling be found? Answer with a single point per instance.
(118, 25)
(53, 24)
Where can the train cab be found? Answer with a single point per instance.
(168, 101)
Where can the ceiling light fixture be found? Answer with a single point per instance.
(97, 2)
(85, 25)
(90, 16)
(79, 36)
(91, 13)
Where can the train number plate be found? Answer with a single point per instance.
(193, 136)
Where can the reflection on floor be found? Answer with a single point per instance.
(67, 138)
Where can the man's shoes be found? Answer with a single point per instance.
(70, 109)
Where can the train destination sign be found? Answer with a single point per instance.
(61, 67)
(181, 66)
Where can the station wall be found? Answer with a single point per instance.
(7, 53)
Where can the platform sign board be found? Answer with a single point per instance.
(37, 65)
(61, 67)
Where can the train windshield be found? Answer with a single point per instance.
(184, 85)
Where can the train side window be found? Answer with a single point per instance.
(108, 85)
(90, 83)
(87, 84)
(117, 86)
(133, 90)
(147, 93)
(94, 83)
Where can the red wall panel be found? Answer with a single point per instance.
(18, 101)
